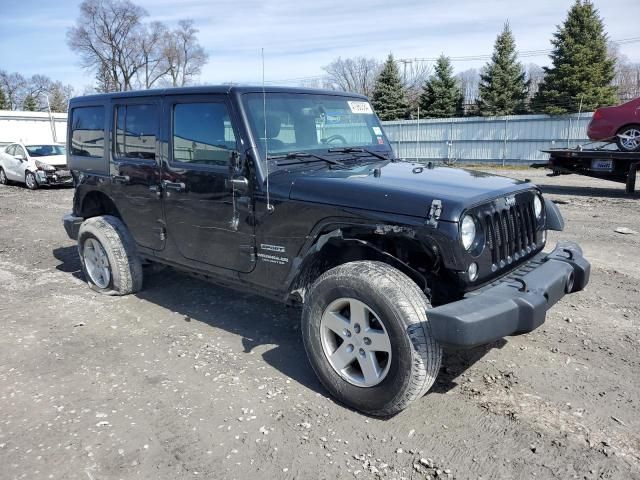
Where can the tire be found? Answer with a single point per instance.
(629, 144)
(107, 234)
(395, 302)
(30, 181)
(3, 177)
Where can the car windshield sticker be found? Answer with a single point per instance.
(360, 107)
(377, 131)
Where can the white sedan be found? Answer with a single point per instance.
(34, 165)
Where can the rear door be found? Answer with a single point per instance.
(201, 215)
(10, 163)
(135, 171)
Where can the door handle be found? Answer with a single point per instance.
(175, 186)
(120, 178)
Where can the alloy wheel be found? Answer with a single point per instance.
(96, 262)
(630, 139)
(355, 342)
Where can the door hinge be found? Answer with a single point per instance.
(434, 213)
(251, 250)
(162, 232)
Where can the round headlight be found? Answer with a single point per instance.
(537, 206)
(467, 231)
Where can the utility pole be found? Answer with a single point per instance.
(405, 62)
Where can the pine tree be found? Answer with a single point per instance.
(502, 89)
(59, 97)
(3, 100)
(581, 72)
(442, 96)
(29, 104)
(389, 97)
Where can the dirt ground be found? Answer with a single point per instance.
(189, 380)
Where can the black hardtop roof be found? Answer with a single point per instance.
(212, 89)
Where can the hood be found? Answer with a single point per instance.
(55, 160)
(398, 187)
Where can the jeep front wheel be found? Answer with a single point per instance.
(108, 256)
(368, 338)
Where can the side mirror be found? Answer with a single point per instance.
(239, 184)
(19, 157)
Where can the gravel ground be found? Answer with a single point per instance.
(189, 380)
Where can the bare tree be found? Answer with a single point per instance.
(13, 85)
(108, 36)
(353, 74)
(184, 56)
(414, 76)
(534, 75)
(627, 74)
(154, 42)
(469, 81)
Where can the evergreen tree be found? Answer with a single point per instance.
(502, 89)
(30, 104)
(442, 96)
(3, 100)
(59, 97)
(581, 70)
(389, 97)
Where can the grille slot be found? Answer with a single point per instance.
(510, 233)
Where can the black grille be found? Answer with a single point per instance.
(510, 233)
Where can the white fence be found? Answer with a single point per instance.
(516, 139)
(32, 127)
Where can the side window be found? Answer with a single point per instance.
(87, 131)
(202, 134)
(19, 152)
(135, 130)
(11, 149)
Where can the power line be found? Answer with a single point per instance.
(521, 53)
(405, 61)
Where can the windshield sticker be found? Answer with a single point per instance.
(360, 107)
(377, 131)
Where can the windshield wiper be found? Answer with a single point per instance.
(358, 150)
(302, 155)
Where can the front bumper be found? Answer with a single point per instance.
(72, 225)
(516, 303)
(57, 177)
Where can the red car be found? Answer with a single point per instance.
(620, 123)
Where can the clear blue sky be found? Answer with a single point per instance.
(300, 37)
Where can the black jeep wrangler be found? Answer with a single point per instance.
(296, 194)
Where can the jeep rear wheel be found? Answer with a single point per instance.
(108, 256)
(366, 332)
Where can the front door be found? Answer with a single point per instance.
(135, 172)
(202, 216)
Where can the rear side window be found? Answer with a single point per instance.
(11, 150)
(87, 131)
(136, 130)
(202, 134)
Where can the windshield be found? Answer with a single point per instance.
(298, 122)
(45, 150)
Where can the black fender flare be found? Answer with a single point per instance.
(301, 265)
(554, 217)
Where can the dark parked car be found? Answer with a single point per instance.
(620, 124)
(296, 194)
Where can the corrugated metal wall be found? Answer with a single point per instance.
(516, 139)
(32, 127)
